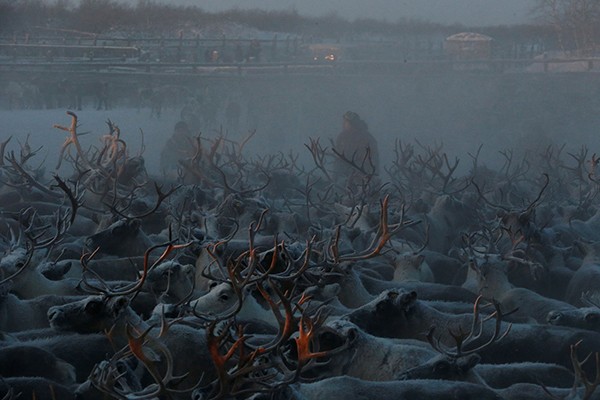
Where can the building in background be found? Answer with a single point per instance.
(468, 46)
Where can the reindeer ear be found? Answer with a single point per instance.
(335, 287)
(189, 270)
(5, 288)
(135, 224)
(472, 264)
(467, 362)
(524, 218)
(418, 260)
(406, 300)
(174, 267)
(119, 304)
(583, 247)
(118, 229)
(592, 317)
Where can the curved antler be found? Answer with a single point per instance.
(465, 339)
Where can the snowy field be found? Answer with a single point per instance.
(38, 124)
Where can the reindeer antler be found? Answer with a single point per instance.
(581, 376)
(72, 139)
(464, 339)
(385, 232)
(135, 287)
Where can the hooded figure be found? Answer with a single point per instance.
(355, 145)
(178, 147)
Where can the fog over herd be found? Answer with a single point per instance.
(299, 202)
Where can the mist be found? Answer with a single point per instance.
(464, 12)
(299, 200)
(393, 67)
(431, 100)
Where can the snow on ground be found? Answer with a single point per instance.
(268, 140)
(39, 125)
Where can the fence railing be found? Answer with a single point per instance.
(341, 67)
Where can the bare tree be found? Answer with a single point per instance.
(574, 21)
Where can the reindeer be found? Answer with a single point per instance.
(428, 291)
(30, 361)
(83, 352)
(489, 278)
(123, 238)
(222, 299)
(381, 359)
(407, 317)
(113, 314)
(587, 276)
(19, 315)
(581, 318)
(345, 387)
(38, 388)
(323, 305)
(109, 311)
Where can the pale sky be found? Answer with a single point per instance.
(467, 12)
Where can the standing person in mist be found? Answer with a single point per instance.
(357, 153)
(178, 147)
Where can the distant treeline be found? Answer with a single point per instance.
(105, 16)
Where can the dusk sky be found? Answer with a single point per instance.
(468, 12)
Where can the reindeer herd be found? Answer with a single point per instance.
(247, 277)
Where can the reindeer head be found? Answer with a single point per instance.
(91, 315)
(456, 363)
(391, 305)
